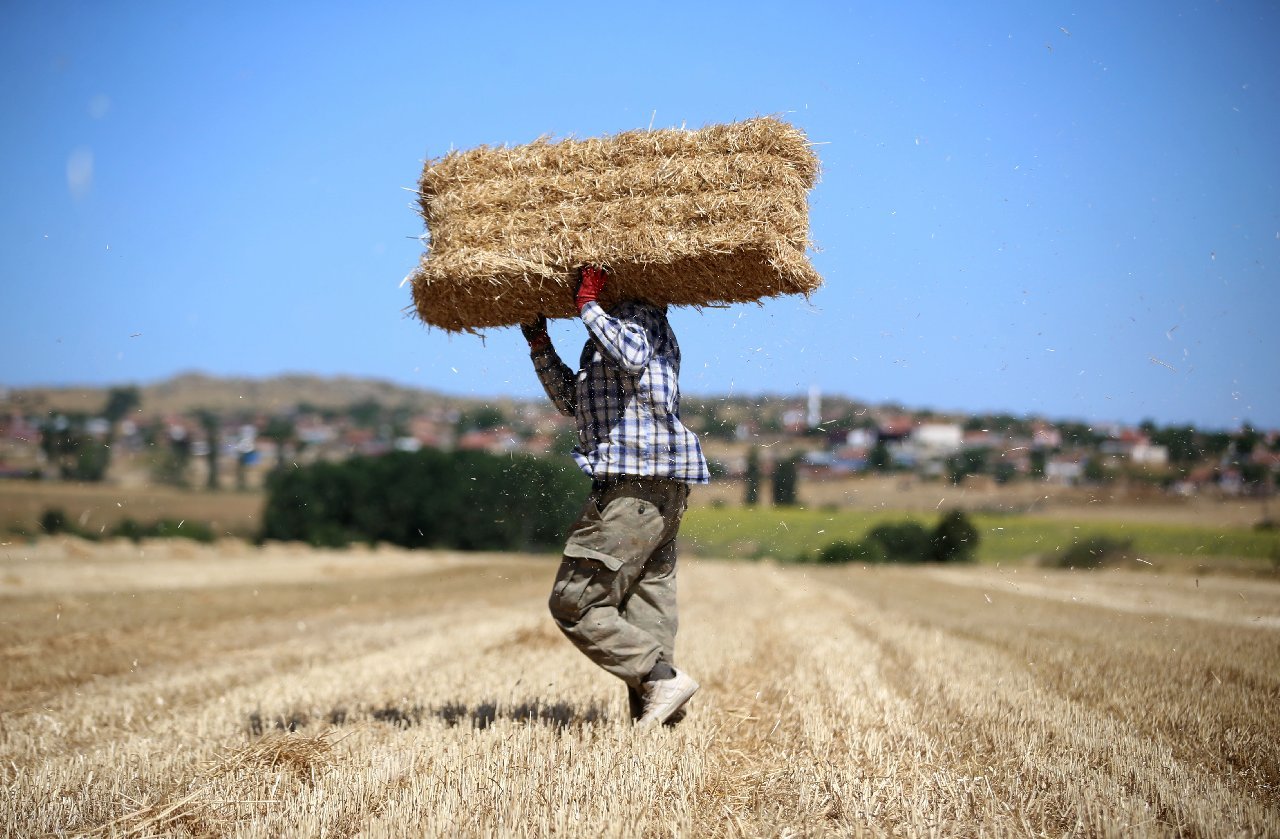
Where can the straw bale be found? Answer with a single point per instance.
(694, 218)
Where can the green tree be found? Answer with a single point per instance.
(93, 458)
(785, 478)
(1254, 475)
(212, 425)
(751, 480)
(1246, 440)
(879, 459)
(463, 500)
(954, 539)
(1096, 471)
(1038, 462)
(172, 458)
(121, 401)
(1079, 435)
(965, 463)
(1004, 472)
(1212, 444)
(1181, 443)
(280, 430)
(76, 455)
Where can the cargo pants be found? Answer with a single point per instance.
(615, 592)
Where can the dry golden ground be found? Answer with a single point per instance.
(92, 507)
(176, 689)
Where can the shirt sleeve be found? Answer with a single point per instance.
(625, 340)
(557, 380)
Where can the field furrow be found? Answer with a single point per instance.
(292, 693)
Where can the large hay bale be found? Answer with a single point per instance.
(697, 218)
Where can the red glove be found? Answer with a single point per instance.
(591, 282)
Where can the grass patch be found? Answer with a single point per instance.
(746, 533)
(54, 521)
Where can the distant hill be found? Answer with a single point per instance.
(277, 394)
(191, 391)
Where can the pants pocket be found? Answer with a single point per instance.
(580, 584)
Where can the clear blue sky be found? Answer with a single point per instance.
(1062, 209)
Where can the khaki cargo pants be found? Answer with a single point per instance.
(615, 592)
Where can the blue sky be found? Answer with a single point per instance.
(1060, 209)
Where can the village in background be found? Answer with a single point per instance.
(197, 431)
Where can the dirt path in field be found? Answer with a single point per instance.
(182, 690)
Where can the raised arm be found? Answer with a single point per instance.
(626, 342)
(556, 377)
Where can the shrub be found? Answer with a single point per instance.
(906, 541)
(53, 521)
(130, 529)
(1090, 552)
(197, 531)
(954, 539)
(866, 551)
(136, 531)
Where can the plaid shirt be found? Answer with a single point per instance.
(625, 396)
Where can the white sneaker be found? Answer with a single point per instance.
(664, 697)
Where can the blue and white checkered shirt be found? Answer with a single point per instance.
(625, 396)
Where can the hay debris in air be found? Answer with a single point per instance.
(694, 218)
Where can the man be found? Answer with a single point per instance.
(615, 593)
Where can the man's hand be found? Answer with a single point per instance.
(591, 282)
(535, 332)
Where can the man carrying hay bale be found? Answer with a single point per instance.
(683, 218)
(615, 592)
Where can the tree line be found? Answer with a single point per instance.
(465, 500)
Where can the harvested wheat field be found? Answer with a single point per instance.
(182, 690)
